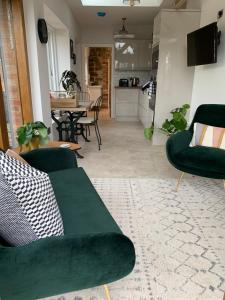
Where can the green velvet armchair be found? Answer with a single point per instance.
(202, 161)
(92, 252)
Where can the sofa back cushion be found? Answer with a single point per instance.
(28, 206)
(210, 114)
(12, 153)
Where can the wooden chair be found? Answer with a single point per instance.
(93, 121)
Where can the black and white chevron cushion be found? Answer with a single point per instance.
(28, 208)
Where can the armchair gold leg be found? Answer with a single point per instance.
(224, 189)
(179, 181)
(108, 296)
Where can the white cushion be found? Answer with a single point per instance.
(86, 120)
(29, 210)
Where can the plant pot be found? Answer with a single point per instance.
(34, 143)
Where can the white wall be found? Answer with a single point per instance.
(174, 78)
(63, 51)
(99, 35)
(209, 86)
(63, 12)
(37, 52)
(193, 4)
(38, 63)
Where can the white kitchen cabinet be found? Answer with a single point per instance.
(145, 114)
(133, 54)
(156, 30)
(127, 104)
(144, 55)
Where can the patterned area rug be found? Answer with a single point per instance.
(179, 239)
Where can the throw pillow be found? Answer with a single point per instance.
(29, 210)
(12, 153)
(208, 136)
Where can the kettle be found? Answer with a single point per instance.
(134, 81)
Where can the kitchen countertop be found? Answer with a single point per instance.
(128, 87)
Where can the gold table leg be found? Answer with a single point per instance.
(224, 189)
(108, 296)
(179, 181)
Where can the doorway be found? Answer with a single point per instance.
(98, 76)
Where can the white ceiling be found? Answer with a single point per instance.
(87, 15)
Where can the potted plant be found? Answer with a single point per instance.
(178, 122)
(148, 132)
(70, 82)
(32, 135)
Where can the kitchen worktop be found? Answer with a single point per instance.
(128, 87)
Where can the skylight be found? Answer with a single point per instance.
(148, 3)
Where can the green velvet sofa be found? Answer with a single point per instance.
(202, 161)
(92, 252)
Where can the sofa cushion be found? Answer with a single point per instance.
(82, 210)
(209, 136)
(29, 210)
(203, 161)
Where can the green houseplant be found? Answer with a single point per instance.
(178, 121)
(32, 135)
(148, 132)
(70, 82)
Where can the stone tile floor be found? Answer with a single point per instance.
(125, 153)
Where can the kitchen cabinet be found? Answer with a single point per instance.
(145, 114)
(133, 105)
(127, 104)
(133, 54)
(156, 30)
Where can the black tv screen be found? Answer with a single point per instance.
(202, 45)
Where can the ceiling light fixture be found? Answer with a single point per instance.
(123, 33)
(131, 2)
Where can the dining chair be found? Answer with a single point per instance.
(93, 121)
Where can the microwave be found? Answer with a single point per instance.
(124, 82)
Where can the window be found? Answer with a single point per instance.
(52, 60)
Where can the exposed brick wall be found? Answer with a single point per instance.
(11, 87)
(100, 60)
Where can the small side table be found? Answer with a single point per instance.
(55, 144)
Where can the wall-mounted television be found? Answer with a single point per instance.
(202, 45)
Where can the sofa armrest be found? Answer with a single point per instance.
(51, 159)
(57, 265)
(178, 142)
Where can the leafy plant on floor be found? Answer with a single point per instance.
(70, 82)
(148, 132)
(178, 122)
(32, 133)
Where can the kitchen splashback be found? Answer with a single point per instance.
(144, 76)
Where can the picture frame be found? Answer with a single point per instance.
(71, 49)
